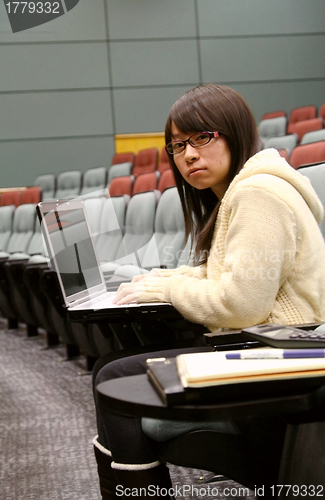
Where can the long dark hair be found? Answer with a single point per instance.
(218, 109)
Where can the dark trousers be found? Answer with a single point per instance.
(124, 437)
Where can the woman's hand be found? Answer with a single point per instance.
(126, 292)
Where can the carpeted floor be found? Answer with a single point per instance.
(47, 422)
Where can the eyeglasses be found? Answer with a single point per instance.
(196, 140)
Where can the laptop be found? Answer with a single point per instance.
(73, 257)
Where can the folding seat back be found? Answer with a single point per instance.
(274, 114)
(10, 197)
(23, 228)
(121, 185)
(287, 142)
(32, 194)
(6, 218)
(307, 153)
(111, 227)
(321, 111)
(123, 157)
(34, 247)
(302, 127)
(314, 136)
(47, 184)
(163, 163)
(120, 170)
(93, 208)
(146, 160)
(302, 113)
(94, 182)
(139, 228)
(273, 127)
(68, 185)
(166, 180)
(316, 175)
(145, 182)
(166, 244)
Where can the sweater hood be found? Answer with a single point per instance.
(269, 161)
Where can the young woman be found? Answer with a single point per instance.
(259, 255)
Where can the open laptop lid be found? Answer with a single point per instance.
(71, 249)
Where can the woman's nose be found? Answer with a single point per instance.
(191, 153)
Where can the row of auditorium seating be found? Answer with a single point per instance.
(21, 196)
(302, 154)
(146, 230)
(131, 235)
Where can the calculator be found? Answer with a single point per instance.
(286, 337)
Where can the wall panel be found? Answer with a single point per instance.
(130, 19)
(154, 63)
(53, 66)
(265, 59)
(25, 160)
(55, 114)
(144, 110)
(236, 18)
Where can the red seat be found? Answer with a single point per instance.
(145, 161)
(302, 127)
(302, 113)
(273, 114)
(121, 185)
(321, 112)
(166, 180)
(123, 158)
(145, 182)
(11, 197)
(31, 194)
(163, 163)
(307, 153)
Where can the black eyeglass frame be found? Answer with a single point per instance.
(211, 135)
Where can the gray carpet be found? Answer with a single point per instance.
(47, 422)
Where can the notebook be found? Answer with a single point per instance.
(203, 377)
(73, 257)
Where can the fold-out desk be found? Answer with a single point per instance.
(136, 396)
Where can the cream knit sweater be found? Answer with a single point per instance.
(267, 259)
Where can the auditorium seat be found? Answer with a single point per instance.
(321, 111)
(94, 182)
(123, 157)
(22, 231)
(163, 163)
(68, 185)
(18, 292)
(139, 228)
(273, 127)
(167, 241)
(47, 184)
(302, 127)
(301, 113)
(11, 197)
(119, 170)
(287, 142)
(273, 114)
(307, 153)
(316, 175)
(145, 182)
(314, 136)
(166, 180)
(6, 220)
(146, 160)
(120, 186)
(32, 194)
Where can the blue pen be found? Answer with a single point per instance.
(277, 354)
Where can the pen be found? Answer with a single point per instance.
(277, 354)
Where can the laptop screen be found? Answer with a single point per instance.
(73, 250)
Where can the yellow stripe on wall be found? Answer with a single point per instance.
(125, 143)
